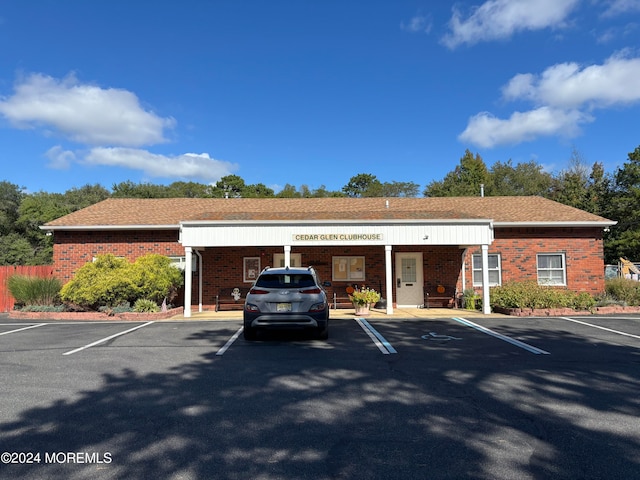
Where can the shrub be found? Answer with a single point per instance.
(531, 295)
(623, 290)
(144, 305)
(34, 290)
(112, 281)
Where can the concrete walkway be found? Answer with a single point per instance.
(349, 313)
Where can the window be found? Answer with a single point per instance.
(495, 276)
(348, 269)
(552, 269)
(278, 260)
(180, 262)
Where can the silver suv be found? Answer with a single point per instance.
(286, 298)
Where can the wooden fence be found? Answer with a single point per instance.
(6, 300)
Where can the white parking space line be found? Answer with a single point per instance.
(512, 341)
(601, 328)
(22, 329)
(382, 344)
(106, 339)
(230, 342)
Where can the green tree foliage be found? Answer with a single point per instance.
(624, 206)
(464, 181)
(524, 179)
(111, 281)
(11, 196)
(363, 185)
(15, 249)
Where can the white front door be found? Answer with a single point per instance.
(409, 283)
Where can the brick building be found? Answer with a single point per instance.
(403, 247)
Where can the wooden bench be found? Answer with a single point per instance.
(231, 298)
(338, 297)
(440, 295)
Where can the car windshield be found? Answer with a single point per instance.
(283, 280)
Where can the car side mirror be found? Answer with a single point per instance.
(326, 284)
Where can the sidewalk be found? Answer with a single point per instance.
(349, 313)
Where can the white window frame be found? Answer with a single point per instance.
(345, 264)
(547, 280)
(296, 259)
(475, 270)
(180, 262)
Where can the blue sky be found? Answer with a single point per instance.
(311, 92)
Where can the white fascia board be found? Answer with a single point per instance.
(53, 228)
(412, 221)
(607, 223)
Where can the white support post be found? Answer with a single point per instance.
(199, 280)
(486, 301)
(188, 280)
(287, 256)
(388, 278)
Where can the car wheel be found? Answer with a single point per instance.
(323, 332)
(249, 333)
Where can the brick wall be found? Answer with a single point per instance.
(71, 250)
(223, 267)
(518, 248)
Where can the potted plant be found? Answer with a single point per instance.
(363, 299)
(469, 298)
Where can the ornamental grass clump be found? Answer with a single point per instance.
(29, 291)
(364, 296)
(623, 290)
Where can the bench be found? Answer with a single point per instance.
(441, 295)
(338, 297)
(231, 298)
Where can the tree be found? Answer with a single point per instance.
(10, 197)
(524, 179)
(363, 185)
(400, 189)
(624, 239)
(464, 181)
(129, 189)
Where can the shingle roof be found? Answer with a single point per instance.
(168, 212)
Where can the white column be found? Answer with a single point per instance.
(486, 301)
(287, 256)
(388, 278)
(199, 280)
(188, 278)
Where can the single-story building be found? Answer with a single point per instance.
(404, 247)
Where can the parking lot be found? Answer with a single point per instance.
(443, 397)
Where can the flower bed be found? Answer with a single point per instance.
(563, 312)
(125, 316)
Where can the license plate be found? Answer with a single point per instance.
(283, 307)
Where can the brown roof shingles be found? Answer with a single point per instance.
(171, 211)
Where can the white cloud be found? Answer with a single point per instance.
(83, 113)
(194, 166)
(499, 19)
(568, 85)
(562, 95)
(487, 131)
(619, 7)
(418, 24)
(59, 158)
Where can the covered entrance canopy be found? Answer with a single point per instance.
(196, 235)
